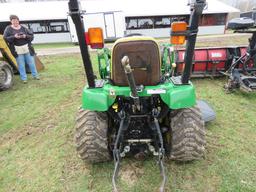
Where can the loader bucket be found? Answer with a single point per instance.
(39, 64)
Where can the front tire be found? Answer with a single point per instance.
(6, 76)
(188, 135)
(91, 136)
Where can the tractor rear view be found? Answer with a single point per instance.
(138, 107)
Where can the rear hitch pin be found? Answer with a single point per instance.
(126, 150)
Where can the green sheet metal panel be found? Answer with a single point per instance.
(176, 97)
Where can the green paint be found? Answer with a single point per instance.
(103, 56)
(176, 97)
(100, 99)
(167, 58)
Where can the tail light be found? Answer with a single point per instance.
(95, 38)
(178, 34)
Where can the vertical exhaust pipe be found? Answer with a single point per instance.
(75, 13)
(196, 8)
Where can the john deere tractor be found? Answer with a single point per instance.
(138, 107)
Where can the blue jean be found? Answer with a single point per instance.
(23, 59)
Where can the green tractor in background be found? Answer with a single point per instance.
(139, 107)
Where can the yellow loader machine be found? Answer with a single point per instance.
(9, 66)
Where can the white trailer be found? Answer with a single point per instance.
(112, 23)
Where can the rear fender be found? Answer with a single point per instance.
(174, 96)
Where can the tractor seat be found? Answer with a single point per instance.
(144, 57)
(240, 23)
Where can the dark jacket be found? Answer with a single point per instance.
(9, 34)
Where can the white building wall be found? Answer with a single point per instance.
(112, 29)
(61, 12)
(51, 38)
(150, 32)
(211, 30)
(165, 32)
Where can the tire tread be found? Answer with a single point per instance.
(91, 136)
(188, 135)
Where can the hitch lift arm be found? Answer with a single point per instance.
(130, 78)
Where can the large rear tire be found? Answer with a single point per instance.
(91, 136)
(6, 76)
(188, 135)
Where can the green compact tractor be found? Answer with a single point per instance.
(138, 107)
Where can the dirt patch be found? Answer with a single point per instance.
(131, 172)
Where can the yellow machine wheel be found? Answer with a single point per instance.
(6, 76)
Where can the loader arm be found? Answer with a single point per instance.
(7, 55)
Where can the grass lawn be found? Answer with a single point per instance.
(37, 151)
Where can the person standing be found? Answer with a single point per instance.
(19, 39)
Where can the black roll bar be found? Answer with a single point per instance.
(196, 11)
(76, 15)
